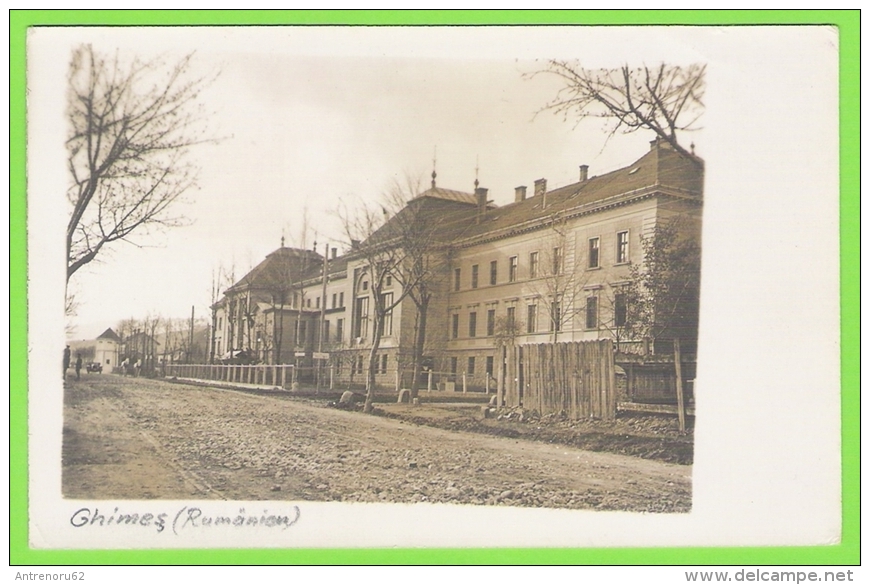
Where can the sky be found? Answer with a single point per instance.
(318, 118)
(314, 116)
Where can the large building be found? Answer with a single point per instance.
(554, 265)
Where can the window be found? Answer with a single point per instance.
(326, 332)
(361, 326)
(592, 313)
(622, 247)
(533, 265)
(318, 302)
(455, 325)
(489, 364)
(471, 366)
(532, 319)
(511, 316)
(593, 253)
(303, 330)
(493, 272)
(472, 324)
(512, 269)
(457, 278)
(341, 299)
(384, 364)
(389, 282)
(308, 303)
(619, 310)
(490, 322)
(359, 364)
(454, 365)
(474, 270)
(365, 285)
(555, 316)
(557, 260)
(339, 330)
(295, 299)
(387, 321)
(334, 296)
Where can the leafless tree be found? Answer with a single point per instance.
(132, 125)
(373, 242)
(666, 99)
(414, 229)
(559, 287)
(280, 291)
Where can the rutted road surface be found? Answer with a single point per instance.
(131, 438)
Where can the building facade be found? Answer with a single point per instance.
(554, 265)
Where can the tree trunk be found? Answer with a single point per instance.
(278, 335)
(419, 345)
(370, 375)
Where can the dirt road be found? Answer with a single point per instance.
(141, 439)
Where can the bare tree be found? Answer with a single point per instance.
(666, 99)
(559, 288)
(280, 293)
(415, 230)
(374, 242)
(132, 125)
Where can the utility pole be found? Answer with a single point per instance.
(322, 313)
(190, 339)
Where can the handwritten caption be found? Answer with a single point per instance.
(186, 519)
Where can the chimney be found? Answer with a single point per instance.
(660, 142)
(519, 194)
(480, 194)
(334, 253)
(541, 190)
(584, 173)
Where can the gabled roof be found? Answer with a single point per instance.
(109, 334)
(336, 268)
(454, 217)
(279, 268)
(434, 213)
(662, 168)
(447, 195)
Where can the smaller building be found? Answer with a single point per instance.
(107, 349)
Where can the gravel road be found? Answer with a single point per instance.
(141, 439)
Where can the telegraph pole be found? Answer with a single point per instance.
(322, 314)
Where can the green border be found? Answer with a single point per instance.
(846, 553)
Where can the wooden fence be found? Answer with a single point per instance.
(577, 378)
(271, 375)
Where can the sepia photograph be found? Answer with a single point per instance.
(324, 286)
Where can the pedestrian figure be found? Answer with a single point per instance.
(136, 367)
(66, 360)
(125, 367)
(78, 366)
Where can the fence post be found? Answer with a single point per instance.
(681, 406)
(397, 379)
(429, 382)
(499, 381)
(331, 377)
(464, 383)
